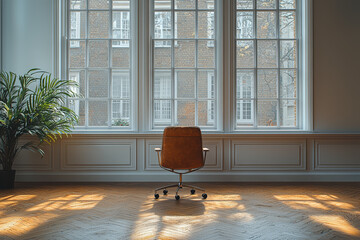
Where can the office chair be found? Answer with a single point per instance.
(181, 153)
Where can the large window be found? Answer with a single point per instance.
(183, 63)
(221, 65)
(266, 62)
(99, 59)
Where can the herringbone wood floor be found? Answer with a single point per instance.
(129, 211)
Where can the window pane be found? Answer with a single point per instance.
(162, 25)
(185, 24)
(98, 24)
(288, 83)
(185, 113)
(162, 84)
(162, 112)
(288, 54)
(206, 25)
(267, 113)
(98, 83)
(98, 113)
(206, 84)
(267, 54)
(184, 53)
(120, 53)
(120, 84)
(245, 4)
(245, 55)
(98, 4)
(287, 25)
(98, 53)
(162, 54)
(288, 113)
(206, 4)
(245, 25)
(184, 4)
(287, 4)
(266, 4)
(207, 57)
(266, 24)
(79, 77)
(244, 113)
(185, 84)
(120, 113)
(77, 25)
(77, 55)
(267, 84)
(206, 113)
(245, 84)
(78, 107)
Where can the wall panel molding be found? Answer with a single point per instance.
(232, 157)
(100, 154)
(268, 154)
(335, 154)
(27, 160)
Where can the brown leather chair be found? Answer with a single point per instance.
(181, 153)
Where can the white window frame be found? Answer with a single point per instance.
(304, 78)
(226, 115)
(218, 73)
(63, 49)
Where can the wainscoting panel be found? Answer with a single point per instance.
(214, 158)
(269, 154)
(337, 154)
(232, 158)
(27, 160)
(98, 154)
(151, 158)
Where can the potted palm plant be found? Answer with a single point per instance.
(32, 104)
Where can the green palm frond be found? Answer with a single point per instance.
(33, 104)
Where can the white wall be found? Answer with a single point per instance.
(27, 35)
(336, 66)
(28, 42)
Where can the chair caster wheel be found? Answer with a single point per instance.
(177, 197)
(156, 196)
(192, 191)
(204, 195)
(165, 192)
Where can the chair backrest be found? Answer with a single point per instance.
(182, 148)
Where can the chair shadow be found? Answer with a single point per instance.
(183, 207)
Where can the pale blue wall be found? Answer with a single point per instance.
(27, 35)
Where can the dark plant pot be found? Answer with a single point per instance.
(7, 179)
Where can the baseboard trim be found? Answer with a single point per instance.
(199, 177)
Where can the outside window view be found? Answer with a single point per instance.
(184, 79)
(266, 52)
(99, 51)
(184, 82)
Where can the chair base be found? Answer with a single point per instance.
(179, 186)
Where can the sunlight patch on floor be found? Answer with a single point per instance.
(19, 225)
(337, 223)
